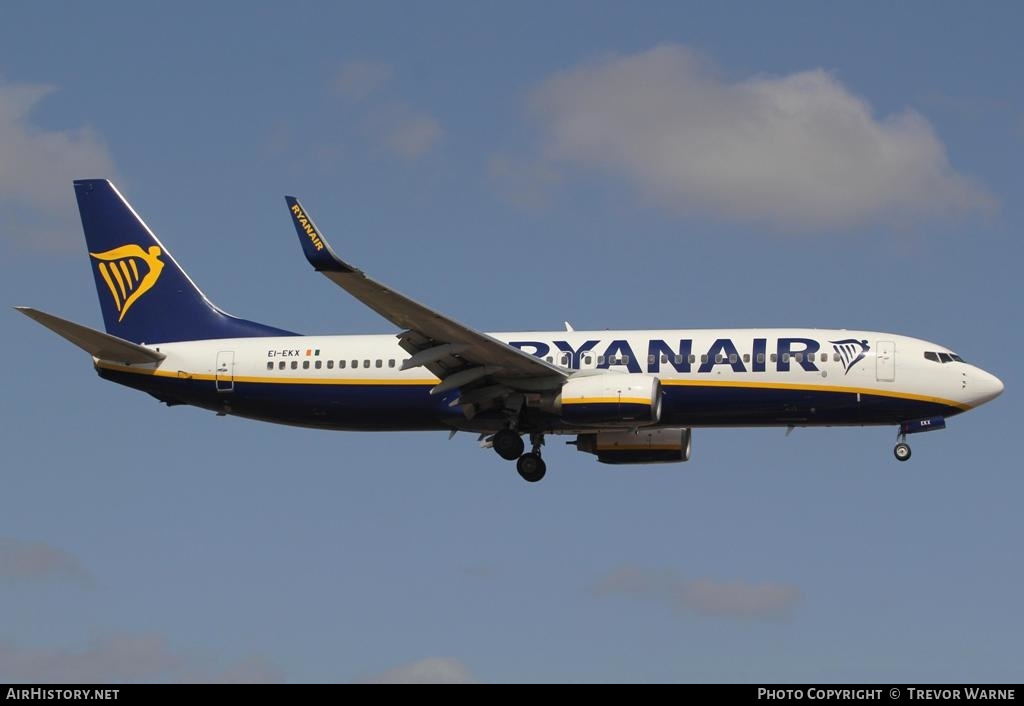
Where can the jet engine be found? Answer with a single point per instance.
(643, 446)
(614, 400)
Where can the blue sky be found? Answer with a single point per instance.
(667, 165)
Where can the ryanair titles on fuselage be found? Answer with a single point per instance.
(785, 353)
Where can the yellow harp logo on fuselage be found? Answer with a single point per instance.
(120, 269)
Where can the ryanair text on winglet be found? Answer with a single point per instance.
(314, 237)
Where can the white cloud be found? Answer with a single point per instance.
(797, 151)
(118, 659)
(37, 167)
(125, 658)
(737, 599)
(413, 136)
(21, 560)
(431, 670)
(396, 126)
(357, 80)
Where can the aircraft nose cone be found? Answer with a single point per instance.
(986, 386)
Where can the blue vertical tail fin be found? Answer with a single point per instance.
(145, 296)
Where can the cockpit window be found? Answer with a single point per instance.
(942, 357)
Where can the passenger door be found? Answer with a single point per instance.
(225, 375)
(885, 361)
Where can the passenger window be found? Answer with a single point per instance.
(679, 359)
(317, 365)
(550, 359)
(760, 357)
(719, 358)
(650, 360)
(330, 365)
(824, 357)
(270, 365)
(704, 358)
(746, 357)
(733, 358)
(775, 357)
(355, 363)
(799, 357)
(295, 365)
(693, 358)
(624, 360)
(664, 358)
(380, 363)
(305, 365)
(835, 357)
(785, 357)
(391, 362)
(600, 360)
(366, 362)
(565, 359)
(341, 364)
(280, 366)
(588, 359)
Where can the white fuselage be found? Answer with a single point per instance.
(709, 376)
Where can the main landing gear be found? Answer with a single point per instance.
(531, 467)
(509, 445)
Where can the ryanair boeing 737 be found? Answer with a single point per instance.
(628, 397)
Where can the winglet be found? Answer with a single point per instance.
(314, 245)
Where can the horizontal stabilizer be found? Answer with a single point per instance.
(100, 345)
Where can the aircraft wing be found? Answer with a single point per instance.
(460, 356)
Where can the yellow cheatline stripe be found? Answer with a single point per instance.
(110, 283)
(127, 276)
(135, 268)
(117, 278)
(643, 401)
(607, 400)
(274, 380)
(817, 388)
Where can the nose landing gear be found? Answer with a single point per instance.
(914, 426)
(902, 451)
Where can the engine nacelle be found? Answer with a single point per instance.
(613, 399)
(644, 446)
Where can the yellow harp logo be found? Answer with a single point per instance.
(120, 269)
